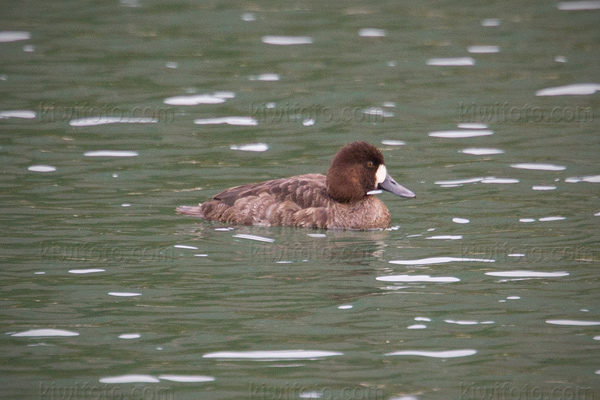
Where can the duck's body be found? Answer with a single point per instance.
(339, 200)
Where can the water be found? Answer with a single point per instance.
(113, 114)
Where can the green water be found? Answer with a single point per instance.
(80, 65)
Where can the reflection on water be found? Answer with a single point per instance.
(112, 115)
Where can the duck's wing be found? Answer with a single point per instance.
(304, 190)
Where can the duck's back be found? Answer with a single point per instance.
(298, 200)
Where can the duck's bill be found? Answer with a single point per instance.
(390, 185)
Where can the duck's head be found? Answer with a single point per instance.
(358, 169)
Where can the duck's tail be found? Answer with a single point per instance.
(188, 210)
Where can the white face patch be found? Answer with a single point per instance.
(380, 174)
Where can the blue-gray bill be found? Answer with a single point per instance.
(390, 185)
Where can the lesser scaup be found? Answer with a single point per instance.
(341, 200)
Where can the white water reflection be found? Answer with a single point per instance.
(490, 22)
(186, 378)
(417, 278)
(460, 134)
(273, 355)
(500, 180)
(372, 32)
(543, 188)
(241, 121)
(445, 237)
(45, 333)
(110, 153)
(256, 147)
(458, 220)
(481, 151)
(24, 114)
(86, 271)
(590, 179)
(579, 89)
(440, 260)
(578, 5)
(539, 166)
(571, 322)
(41, 168)
(253, 237)
(393, 142)
(527, 274)
(267, 77)
(130, 336)
(130, 379)
(451, 62)
(194, 100)
(435, 354)
(124, 294)
(95, 121)
(483, 49)
(467, 322)
(287, 40)
(13, 36)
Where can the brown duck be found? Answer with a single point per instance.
(343, 199)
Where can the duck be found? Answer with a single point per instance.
(343, 199)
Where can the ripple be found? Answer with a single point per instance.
(543, 188)
(265, 77)
(445, 237)
(273, 355)
(472, 125)
(124, 294)
(571, 322)
(194, 100)
(553, 218)
(184, 246)
(460, 134)
(45, 333)
(130, 336)
(483, 49)
(490, 22)
(466, 322)
(435, 354)
(482, 151)
(130, 379)
(438, 260)
(539, 166)
(579, 89)
(500, 180)
(451, 62)
(25, 114)
(256, 147)
(527, 274)
(95, 121)
(13, 36)
(241, 121)
(110, 153)
(527, 220)
(371, 32)
(186, 378)
(254, 237)
(86, 271)
(459, 181)
(457, 220)
(41, 168)
(578, 5)
(590, 179)
(393, 142)
(287, 40)
(417, 278)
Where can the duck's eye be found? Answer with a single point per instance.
(370, 164)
